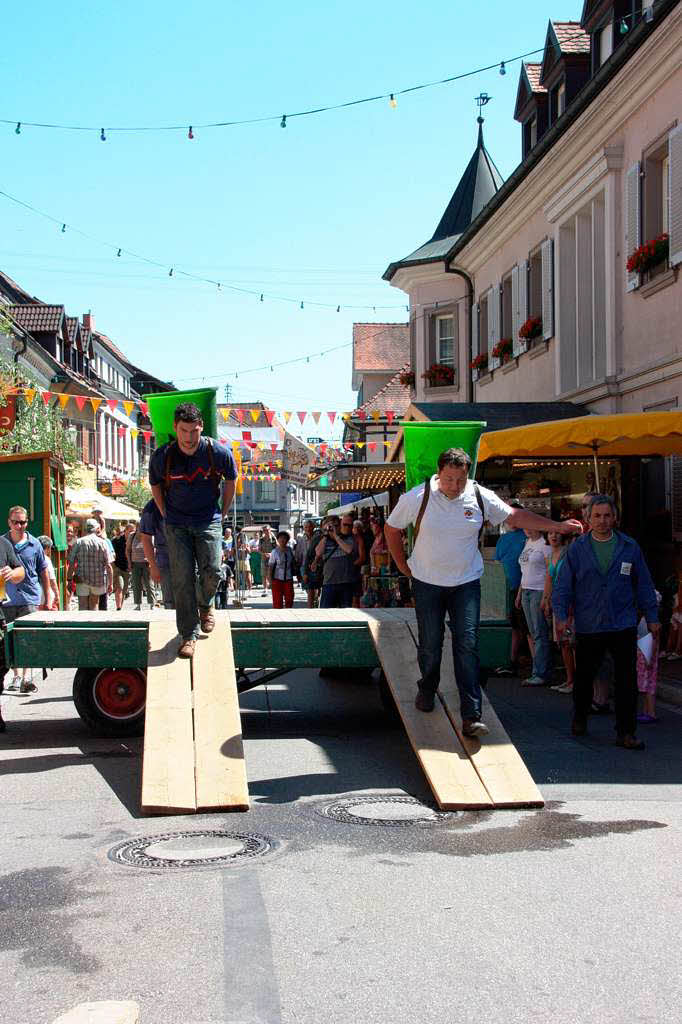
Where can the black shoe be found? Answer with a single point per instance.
(630, 743)
(578, 726)
(600, 709)
(424, 701)
(474, 729)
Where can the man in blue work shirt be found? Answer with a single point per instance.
(507, 550)
(25, 597)
(153, 537)
(606, 581)
(188, 477)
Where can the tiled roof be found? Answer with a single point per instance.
(380, 346)
(393, 396)
(13, 291)
(72, 326)
(38, 318)
(533, 74)
(571, 37)
(108, 343)
(500, 415)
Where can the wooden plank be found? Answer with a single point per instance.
(444, 761)
(168, 756)
(219, 753)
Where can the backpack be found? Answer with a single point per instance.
(215, 475)
(425, 501)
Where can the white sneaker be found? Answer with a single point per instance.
(533, 681)
(564, 688)
(138, 608)
(15, 684)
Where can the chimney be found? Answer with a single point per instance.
(89, 321)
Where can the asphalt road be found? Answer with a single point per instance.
(566, 914)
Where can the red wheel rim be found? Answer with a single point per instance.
(119, 692)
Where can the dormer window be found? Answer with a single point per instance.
(561, 99)
(530, 132)
(605, 43)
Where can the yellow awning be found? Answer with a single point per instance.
(637, 433)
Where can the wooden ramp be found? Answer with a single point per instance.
(193, 757)
(462, 773)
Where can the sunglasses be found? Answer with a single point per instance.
(18, 522)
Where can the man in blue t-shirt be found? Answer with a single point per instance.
(507, 551)
(25, 597)
(188, 477)
(153, 537)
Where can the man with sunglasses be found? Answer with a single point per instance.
(339, 553)
(25, 596)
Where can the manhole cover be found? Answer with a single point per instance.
(383, 810)
(213, 848)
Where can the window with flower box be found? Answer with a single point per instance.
(653, 210)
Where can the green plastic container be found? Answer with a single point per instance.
(425, 441)
(162, 409)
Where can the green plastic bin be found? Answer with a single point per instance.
(425, 441)
(162, 409)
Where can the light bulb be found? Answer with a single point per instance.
(17, 130)
(261, 298)
(623, 26)
(102, 136)
(301, 305)
(118, 253)
(63, 228)
(503, 70)
(338, 309)
(170, 272)
(283, 122)
(393, 103)
(190, 133)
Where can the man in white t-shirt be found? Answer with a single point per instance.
(446, 568)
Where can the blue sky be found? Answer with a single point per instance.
(315, 211)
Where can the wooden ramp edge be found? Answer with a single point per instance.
(193, 757)
(219, 752)
(168, 757)
(496, 760)
(446, 765)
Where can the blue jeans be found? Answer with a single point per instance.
(337, 595)
(463, 607)
(538, 629)
(194, 554)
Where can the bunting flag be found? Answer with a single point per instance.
(63, 399)
(29, 395)
(362, 415)
(286, 416)
(134, 433)
(46, 396)
(255, 415)
(144, 408)
(316, 417)
(128, 406)
(147, 435)
(360, 444)
(239, 413)
(332, 417)
(225, 413)
(375, 415)
(269, 415)
(95, 403)
(372, 446)
(273, 447)
(121, 431)
(302, 416)
(389, 416)
(323, 449)
(387, 444)
(80, 401)
(112, 403)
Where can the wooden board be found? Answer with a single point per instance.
(498, 763)
(168, 756)
(444, 761)
(219, 752)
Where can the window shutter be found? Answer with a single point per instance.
(431, 351)
(493, 325)
(632, 221)
(547, 251)
(474, 335)
(676, 495)
(675, 194)
(515, 310)
(413, 344)
(523, 303)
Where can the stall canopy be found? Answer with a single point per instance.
(638, 433)
(360, 478)
(81, 501)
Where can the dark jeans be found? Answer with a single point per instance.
(140, 579)
(463, 607)
(337, 595)
(590, 649)
(166, 587)
(195, 554)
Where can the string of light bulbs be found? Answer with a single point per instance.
(285, 118)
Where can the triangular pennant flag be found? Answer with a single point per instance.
(286, 416)
(273, 447)
(360, 444)
(387, 444)
(134, 433)
(348, 445)
(255, 415)
(29, 395)
(63, 400)
(147, 435)
(225, 413)
(121, 431)
(302, 416)
(316, 417)
(390, 416)
(261, 445)
(239, 413)
(332, 417)
(144, 408)
(323, 449)
(128, 406)
(269, 415)
(95, 403)
(375, 415)
(372, 446)
(346, 415)
(46, 396)
(112, 403)
(80, 401)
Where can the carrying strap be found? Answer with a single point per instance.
(214, 473)
(425, 501)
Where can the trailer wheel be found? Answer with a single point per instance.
(111, 701)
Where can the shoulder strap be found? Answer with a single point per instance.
(422, 508)
(479, 499)
(167, 467)
(215, 474)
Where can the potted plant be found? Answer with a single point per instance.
(647, 256)
(503, 350)
(480, 363)
(407, 378)
(439, 375)
(531, 329)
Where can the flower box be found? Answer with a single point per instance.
(439, 375)
(503, 350)
(480, 362)
(531, 329)
(649, 255)
(407, 379)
